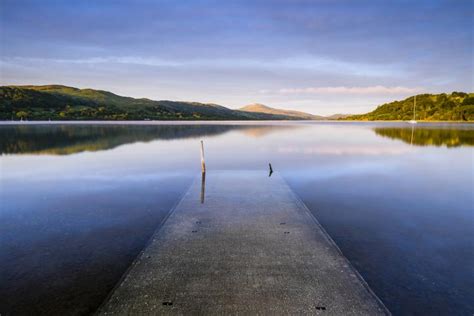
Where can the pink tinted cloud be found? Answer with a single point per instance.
(370, 90)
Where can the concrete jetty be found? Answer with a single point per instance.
(245, 245)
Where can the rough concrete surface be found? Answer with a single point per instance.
(251, 248)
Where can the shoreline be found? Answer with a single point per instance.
(212, 122)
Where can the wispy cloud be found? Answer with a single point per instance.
(369, 90)
(97, 60)
(315, 64)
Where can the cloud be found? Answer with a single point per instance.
(97, 60)
(314, 64)
(369, 90)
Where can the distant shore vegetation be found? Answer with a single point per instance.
(457, 106)
(56, 102)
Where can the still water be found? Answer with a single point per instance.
(79, 201)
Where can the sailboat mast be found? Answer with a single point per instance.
(414, 109)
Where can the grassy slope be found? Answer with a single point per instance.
(457, 106)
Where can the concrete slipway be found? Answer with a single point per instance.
(246, 246)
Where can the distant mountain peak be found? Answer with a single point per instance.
(255, 106)
(262, 108)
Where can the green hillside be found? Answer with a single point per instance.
(457, 106)
(58, 102)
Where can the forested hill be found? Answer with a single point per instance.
(457, 106)
(58, 102)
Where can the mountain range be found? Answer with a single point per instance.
(58, 102)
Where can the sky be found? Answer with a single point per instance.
(320, 56)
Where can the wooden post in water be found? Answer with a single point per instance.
(203, 163)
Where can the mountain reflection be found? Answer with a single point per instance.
(427, 136)
(71, 139)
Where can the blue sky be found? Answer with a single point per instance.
(324, 57)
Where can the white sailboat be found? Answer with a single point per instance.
(414, 112)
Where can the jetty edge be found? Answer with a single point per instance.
(251, 246)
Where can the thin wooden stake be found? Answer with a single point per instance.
(203, 163)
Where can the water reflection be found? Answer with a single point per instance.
(425, 136)
(203, 186)
(71, 139)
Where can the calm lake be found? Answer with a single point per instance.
(79, 202)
